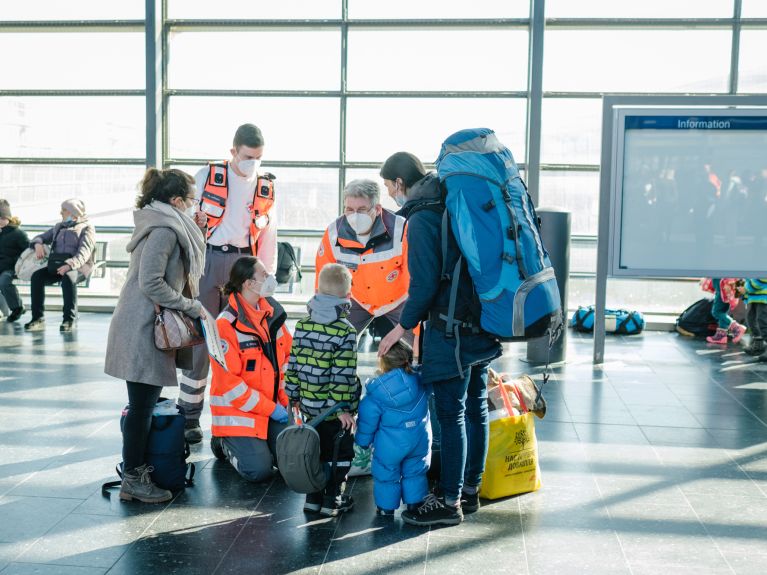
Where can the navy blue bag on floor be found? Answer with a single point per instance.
(167, 451)
(619, 321)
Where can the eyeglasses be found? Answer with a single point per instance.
(350, 211)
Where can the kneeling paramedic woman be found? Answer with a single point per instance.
(247, 399)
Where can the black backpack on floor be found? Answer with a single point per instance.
(696, 320)
(288, 266)
(167, 451)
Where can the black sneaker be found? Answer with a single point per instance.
(313, 502)
(217, 447)
(16, 314)
(470, 502)
(756, 347)
(35, 325)
(66, 325)
(193, 431)
(334, 506)
(433, 512)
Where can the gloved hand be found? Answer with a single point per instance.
(280, 415)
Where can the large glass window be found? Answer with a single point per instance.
(378, 127)
(752, 75)
(268, 59)
(76, 127)
(754, 9)
(73, 60)
(630, 60)
(74, 10)
(571, 131)
(35, 192)
(574, 191)
(438, 9)
(250, 10)
(393, 59)
(295, 129)
(643, 9)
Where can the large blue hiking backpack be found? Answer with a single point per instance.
(493, 220)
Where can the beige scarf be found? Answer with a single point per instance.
(191, 239)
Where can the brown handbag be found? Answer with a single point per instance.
(173, 329)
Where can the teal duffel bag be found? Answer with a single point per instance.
(619, 321)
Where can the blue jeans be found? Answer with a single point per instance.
(461, 405)
(720, 308)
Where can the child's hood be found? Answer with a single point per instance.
(396, 388)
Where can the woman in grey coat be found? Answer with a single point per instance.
(167, 259)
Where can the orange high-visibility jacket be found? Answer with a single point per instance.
(216, 191)
(257, 346)
(380, 278)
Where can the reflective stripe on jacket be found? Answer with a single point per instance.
(256, 345)
(380, 277)
(213, 202)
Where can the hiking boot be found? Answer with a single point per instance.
(66, 325)
(313, 502)
(756, 347)
(470, 501)
(193, 431)
(35, 325)
(719, 337)
(217, 447)
(433, 511)
(138, 485)
(736, 331)
(334, 506)
(16, 313)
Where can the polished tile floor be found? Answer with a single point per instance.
(655, 462)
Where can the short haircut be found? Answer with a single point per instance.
(248, 135)
(335, 280)
(367, 189)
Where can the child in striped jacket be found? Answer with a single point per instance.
(322, 372)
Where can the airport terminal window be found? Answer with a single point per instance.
(630, 60)
(438, 9)
(74, 10)
(203, 60)
(74, 127)
(571, 131)
(261, 10)
(378, 127)
(75, 60)
(429, 59)
(752, 75)
(644, 9)
(574, 191)
(295, 129)
(754, 9)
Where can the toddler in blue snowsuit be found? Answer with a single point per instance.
(394, 418)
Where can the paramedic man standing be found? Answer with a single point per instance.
(238, 204)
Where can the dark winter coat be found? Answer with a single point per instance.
(13, 241)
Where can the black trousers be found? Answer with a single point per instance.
(141, 401)
(756, 319)
(42, 278)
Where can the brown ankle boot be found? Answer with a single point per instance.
(138, 485)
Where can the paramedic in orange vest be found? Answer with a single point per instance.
(237, 203)
(247, 399)
(371, 241)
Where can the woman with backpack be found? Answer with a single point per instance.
(13, 241)
(167, 258)
(455, 364)
(71, 260)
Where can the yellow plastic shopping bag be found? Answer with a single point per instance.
(511, 466)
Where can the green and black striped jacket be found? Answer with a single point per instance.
(322, 369)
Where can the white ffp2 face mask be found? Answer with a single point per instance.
(268, 286)
(360, 223)
(248, 167)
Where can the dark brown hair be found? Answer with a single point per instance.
(403, 165)
(400, 355)
(242, 271)
(163, 186)
(248, 135)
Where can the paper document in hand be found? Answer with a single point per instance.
(213, 339)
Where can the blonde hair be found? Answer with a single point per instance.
(14, 221)
(400, 355)
(335, 280)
